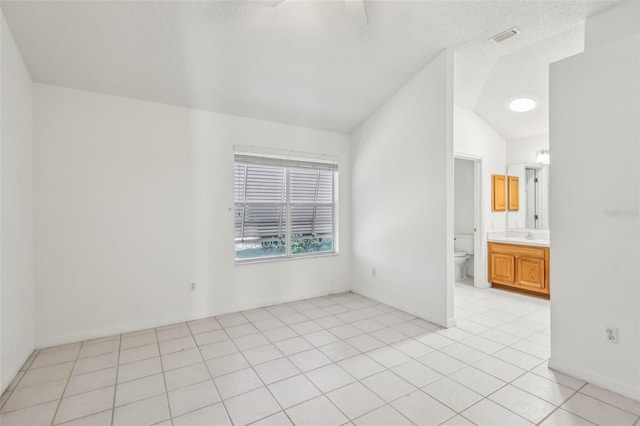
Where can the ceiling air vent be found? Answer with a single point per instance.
(499, 38)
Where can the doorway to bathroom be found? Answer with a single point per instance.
(469, 267)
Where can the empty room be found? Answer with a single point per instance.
(320, 212)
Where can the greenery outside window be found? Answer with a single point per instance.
(283, 207)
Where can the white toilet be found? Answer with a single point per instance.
(463, 249)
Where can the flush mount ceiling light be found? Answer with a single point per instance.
(522, 104)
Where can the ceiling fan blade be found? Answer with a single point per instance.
(357, 11)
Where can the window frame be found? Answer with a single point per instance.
(287, 163)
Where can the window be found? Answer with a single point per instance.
(283, 207)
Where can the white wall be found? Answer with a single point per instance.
(474, 138)
(402, 198)
(16, 199)
(464, 196)
(135, 200)
(524, 150)
(595, 219)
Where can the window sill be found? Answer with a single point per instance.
(283, 258)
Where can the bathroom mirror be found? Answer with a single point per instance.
(533, 193)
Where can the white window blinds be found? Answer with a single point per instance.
(283, 207)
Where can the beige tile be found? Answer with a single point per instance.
(45, 358)
(102, 418)
(238, 382)
(278, 419)
(452, 394)
(241, 330)
(458, 421)
(34, 395)
(99, 348)
(177, 345)
(308, 360)
(212, 415)
(218, 349)
(262, 354)
(278, 334)
(565, 380)
(420, 408)
(329, 377)
(91, 381)
(598, 412)
(463, 353)
(361, 366)
(477, 380)
(136, 390)
(185, 376)
(517, 358)
(36, 415)
(543, 388)
(355, 400)
(275, 370)
(339, 350)
(293, 345)
(293, 390)
(227, 364)
(487, 412)
(138, 354)
(210, 337)
(251, 341)
(316, 412)
(564, 418)
(180, 359)
(139, 369)
(498, 368)
(383, 416)
(138, 339)
(416, 373)
(251, 406)
(523, 403)
(50, 373)
(145, 412)
(413, 348)
(204, 325)
(192, 397)
(94, 363)
(627, 404)
(388, 356)
(388, 386)
(172, 331)
(82, 405)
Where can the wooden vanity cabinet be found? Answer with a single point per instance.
(519, 267)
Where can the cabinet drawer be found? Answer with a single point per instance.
(517, 250)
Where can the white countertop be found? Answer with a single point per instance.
(539, 238)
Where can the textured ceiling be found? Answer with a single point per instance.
(306, 63)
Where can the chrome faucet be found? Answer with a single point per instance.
(529, 235)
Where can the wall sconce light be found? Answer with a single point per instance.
(542, 156)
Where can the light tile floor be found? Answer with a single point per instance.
(341, 359)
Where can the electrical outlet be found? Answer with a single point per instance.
(373, 272)
(192, 286)
(611, 334)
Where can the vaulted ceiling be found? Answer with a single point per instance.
(306, 63)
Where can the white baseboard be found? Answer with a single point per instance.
(626, 389)
(422, 315)
(46, 342)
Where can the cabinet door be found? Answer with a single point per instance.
(502, 269)
(531, 273)
(514, 193)
(499, 193)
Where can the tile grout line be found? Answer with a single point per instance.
(209, 371)
(67, 383)
(115, 385)
(164, 380)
